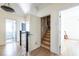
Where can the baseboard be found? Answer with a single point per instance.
(34, 48)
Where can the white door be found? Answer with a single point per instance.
(35, 32)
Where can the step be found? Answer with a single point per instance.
(45, 38)
(48, 36)
(45, 46)
(48, 31)
(46, 42)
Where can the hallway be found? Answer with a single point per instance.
(13, 49)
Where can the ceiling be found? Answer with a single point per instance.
(15, 6)
(55, 5)
(38, 6)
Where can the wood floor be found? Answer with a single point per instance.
(12, 49)
(42, 52)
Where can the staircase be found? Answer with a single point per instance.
(45, 43)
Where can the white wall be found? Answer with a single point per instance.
(35, 31)
(2, 31)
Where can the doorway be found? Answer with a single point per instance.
(10, 31)
(13, 28)
(70, 32)
(44, 26)
(45, 32)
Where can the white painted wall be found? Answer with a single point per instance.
(2, 31)
(35, 31)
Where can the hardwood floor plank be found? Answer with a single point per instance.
(42, 52)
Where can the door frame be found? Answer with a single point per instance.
(50, 28)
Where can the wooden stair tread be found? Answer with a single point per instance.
(48, 37)
(46, 42)
(47, 47)
(48, 33)
(45, 38)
